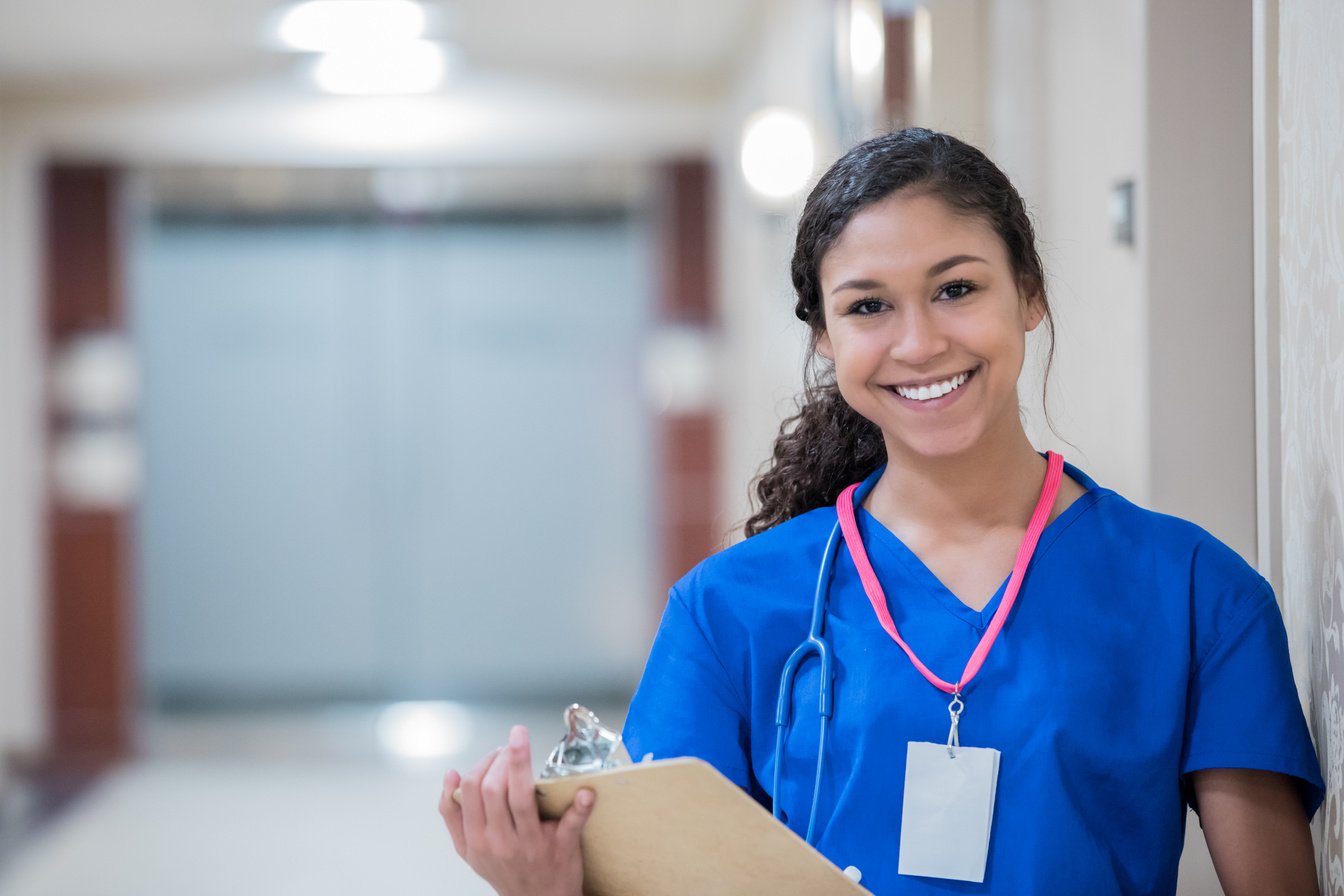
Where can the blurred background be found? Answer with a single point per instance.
(368, 370)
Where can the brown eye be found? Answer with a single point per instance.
(866, 307)
(958, 290)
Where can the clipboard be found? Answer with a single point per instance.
(671, 827)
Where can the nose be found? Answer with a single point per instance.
(921, 339)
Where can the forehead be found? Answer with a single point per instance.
(910, 231)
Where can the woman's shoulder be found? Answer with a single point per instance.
(1166, 547)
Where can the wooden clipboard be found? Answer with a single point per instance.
(675, 827)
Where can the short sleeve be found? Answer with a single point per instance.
(1243, 710)
(686, 703)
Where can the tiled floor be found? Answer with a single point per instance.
(273, 805)
(291, 804)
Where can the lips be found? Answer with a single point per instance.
(931, 389)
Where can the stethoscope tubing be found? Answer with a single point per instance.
(815, 644)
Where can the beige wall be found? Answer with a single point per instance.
(1153, 376)
(1196, 203)
(763, 343)
(1309, 81)
(21, 632)
(951, 81)
(1065, 108)
(1153, 381)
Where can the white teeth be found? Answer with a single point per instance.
(936, 390)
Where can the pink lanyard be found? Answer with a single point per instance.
(844, 506)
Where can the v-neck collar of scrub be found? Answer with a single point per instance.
(877, 536)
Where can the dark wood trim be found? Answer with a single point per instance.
(686, 240)
(689, 464)
(690, 490)
(91, 700)
(83, 251)
(90, 680)
(898, 70)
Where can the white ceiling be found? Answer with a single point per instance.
(682, 46)
(536, 82)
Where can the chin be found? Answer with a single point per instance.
(934, 447)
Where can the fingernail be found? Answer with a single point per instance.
(518, 737)
(584, 799)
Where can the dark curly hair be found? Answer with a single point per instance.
(827, 445)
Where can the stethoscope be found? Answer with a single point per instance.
(814, 645)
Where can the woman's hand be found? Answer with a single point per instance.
(498, 829)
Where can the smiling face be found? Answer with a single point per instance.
(926, 326)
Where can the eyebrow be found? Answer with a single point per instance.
(940, 267)
(948, 263)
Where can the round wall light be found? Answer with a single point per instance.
(778, 153)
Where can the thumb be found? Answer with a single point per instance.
(576, 816)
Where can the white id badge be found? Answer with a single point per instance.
(948, 809)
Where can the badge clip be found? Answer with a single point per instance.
(954, 709)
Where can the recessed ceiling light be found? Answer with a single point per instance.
(412, 67)
(396, 127)
(328, 25)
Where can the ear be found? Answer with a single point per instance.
(1034, 306)
(824, 346)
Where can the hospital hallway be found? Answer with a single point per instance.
(369, 372)
(331, 800)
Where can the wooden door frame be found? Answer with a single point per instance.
(91, 698)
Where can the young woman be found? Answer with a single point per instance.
(982, 597)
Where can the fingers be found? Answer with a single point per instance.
(496, 823)
(495, 799)
(522, 793)
(452, 812)
(473, 809)
(576, 816)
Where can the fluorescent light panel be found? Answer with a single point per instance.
(416, 66)
(325, 26)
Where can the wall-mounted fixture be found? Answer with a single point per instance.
(778, 154)
(681, 370)
(866, 43)
(859, 66)
(95, 451)
(1121, 209)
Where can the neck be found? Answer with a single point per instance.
(997, 484)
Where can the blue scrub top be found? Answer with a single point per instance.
(1140, 649)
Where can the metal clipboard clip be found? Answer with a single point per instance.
(587, 746)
